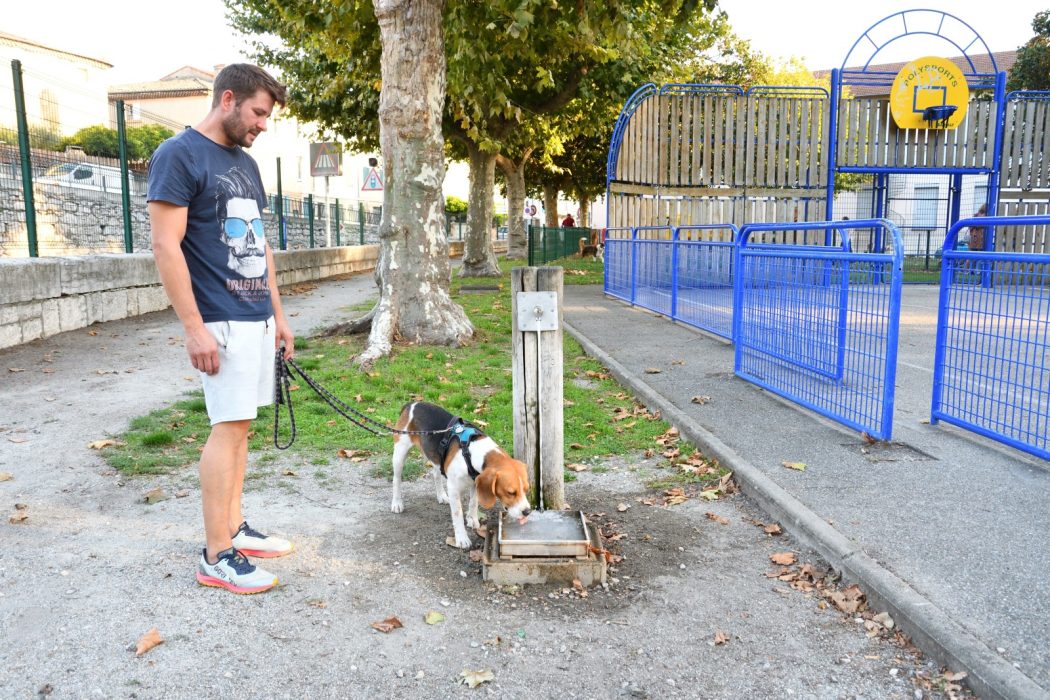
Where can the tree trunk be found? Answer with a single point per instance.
(517, 237)
(479, 259)
(413, 270)
(550, 206)
(585, 212)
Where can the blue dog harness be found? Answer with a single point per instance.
(465, 433)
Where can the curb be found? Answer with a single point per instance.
(932, 630)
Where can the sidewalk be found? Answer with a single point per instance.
(943, 528)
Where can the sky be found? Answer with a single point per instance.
(146, 39)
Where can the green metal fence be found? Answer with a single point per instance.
(547, 243)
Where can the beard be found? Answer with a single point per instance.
(237, 132)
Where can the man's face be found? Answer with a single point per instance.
(243, 234)
(247, 120)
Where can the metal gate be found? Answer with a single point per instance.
(816, 322)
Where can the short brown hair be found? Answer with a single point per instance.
(244, 80)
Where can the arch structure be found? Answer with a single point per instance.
(697, 154)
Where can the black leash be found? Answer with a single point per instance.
(283, 395)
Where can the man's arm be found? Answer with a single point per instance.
(168, 227)
(284, 331)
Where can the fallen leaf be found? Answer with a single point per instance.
(717, 518)
(653, 370)
(709, 495)
(15, 369)
(576, 446)
(17, 440)
(700, 399)
(99, 444)
(155, 495)
(482, 530)
(433, 617)
(953, 677)
(677, 362)
(476, 678)
(849, 600)
(21, 506)
(18, 517)
(675, 496)
(622, 507)
(6, 476)
(576, 467)
(773, 529)
(783, 558)
(350, 454)
(475, 555)
(289, 472)
(387, 625)
(317, 603)
(182, 493)
(721, 637)
(450, 541)
(148, 641)
(868, 438)
(797, 466)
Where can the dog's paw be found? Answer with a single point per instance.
(463, 542)
(397, 506)
(442, 497)
(473, 523)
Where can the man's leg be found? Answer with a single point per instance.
(219, 471)
(236, 517)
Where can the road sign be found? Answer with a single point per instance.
(326, 159)
(373, 181)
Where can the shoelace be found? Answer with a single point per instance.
(240, 563)
(248, 530)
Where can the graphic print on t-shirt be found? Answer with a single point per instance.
(241, 229)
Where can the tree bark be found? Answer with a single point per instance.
(413, 270)
(585, 212)
(479, 259)
(517, 237)
(550, 206)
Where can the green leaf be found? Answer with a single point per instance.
(433, 617)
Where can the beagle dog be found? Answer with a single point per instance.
(465, 459)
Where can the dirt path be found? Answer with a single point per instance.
(94, 567)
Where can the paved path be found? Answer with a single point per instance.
(947, 528)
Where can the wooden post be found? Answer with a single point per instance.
(538, 391)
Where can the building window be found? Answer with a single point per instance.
(926, 200)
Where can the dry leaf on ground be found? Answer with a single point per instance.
(576, 467)
(18, 517)
(773, 529)
(17, 440)
(155, 495)
(476, 678)
(849, 600)
(99, 444)
(653, 370)
(797, 466)
(717, 518)
(783, 558)
(721, 637)
(475, 555)
(6, 476)
(148, 641)
(433, 617)
(387, 625)
(700, 399)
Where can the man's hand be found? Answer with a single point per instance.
(203, 350)
(284, 333)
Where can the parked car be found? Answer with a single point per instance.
(92, 176)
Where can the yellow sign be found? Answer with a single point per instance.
(929, 93)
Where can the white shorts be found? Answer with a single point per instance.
(246, 366)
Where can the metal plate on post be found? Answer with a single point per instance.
(537, 311)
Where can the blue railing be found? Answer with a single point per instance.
(684, 273)
(991, 363)
(818, 323)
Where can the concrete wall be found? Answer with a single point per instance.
(40, 297)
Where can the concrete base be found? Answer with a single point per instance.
(590, 570)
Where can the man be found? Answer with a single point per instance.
(205, 203)
(568, 221)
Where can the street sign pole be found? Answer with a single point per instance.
(327, 217)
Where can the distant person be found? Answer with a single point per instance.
(976, 233)
(568, 221)
(205, 204)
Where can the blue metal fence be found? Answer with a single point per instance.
(992, 359)
(817, 323)
(684, 273)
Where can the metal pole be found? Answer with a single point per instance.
(280, 210)
(337, 212)
(327, 216)
(361, 221)
(125, 194)
(24, 157)
(833, 109)
(310, 216)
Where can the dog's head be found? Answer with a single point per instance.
(504, 479)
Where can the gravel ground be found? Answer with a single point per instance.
(94, 567)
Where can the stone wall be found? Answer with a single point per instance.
(40, 297)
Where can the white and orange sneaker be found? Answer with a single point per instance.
(235, 573)
(253, 543)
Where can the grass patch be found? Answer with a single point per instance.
(473, 382)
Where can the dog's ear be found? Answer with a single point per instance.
(486, 486)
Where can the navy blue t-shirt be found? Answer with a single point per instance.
(224, 245)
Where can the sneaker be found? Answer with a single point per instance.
(255, 544)
(234, 573)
